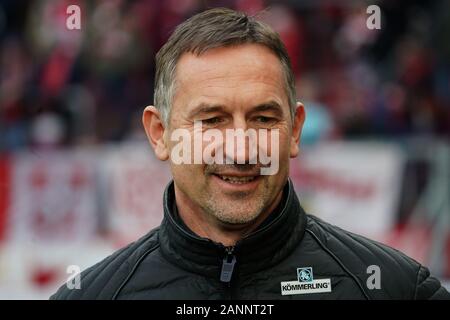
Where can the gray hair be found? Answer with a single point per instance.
(214, 28)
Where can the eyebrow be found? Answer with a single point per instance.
(204, 108)
(269, 106)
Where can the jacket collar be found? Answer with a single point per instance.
(263, 248)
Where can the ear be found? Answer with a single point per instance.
(299, 119)
(154, 128)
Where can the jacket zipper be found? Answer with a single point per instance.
(228, 264)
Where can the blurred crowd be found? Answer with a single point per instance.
(61, 87)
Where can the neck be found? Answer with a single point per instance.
(208, 226)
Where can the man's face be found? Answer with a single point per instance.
(239, 87)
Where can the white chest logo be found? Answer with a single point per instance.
(305, 283)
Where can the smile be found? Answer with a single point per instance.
(237, 180)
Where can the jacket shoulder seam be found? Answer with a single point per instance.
(340, 263)
(121, 255)
(417, 282)
(139, 244)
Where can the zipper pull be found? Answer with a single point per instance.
(228, 265)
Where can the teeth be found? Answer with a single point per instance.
(238, 180)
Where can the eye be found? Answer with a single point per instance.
(213, 120)
(263, 119)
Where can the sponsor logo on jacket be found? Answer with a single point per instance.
(305, 283)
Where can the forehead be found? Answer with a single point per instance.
(238, 74)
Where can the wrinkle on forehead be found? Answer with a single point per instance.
(228, 61)
(241, 69)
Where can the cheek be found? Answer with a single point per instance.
(185, 173)
(282, 148)
(180, 173)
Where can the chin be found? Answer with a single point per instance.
(234, 218)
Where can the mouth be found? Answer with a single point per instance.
(236, 179)
(237, 182)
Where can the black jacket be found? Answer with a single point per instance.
(171, 262)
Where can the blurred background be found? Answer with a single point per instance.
(78, 179)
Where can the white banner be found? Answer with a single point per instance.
(353, 185)
(53, 197)
(135, 181)
(36, 271)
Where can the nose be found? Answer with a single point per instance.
(240, 143)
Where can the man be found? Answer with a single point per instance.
(229, 231)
